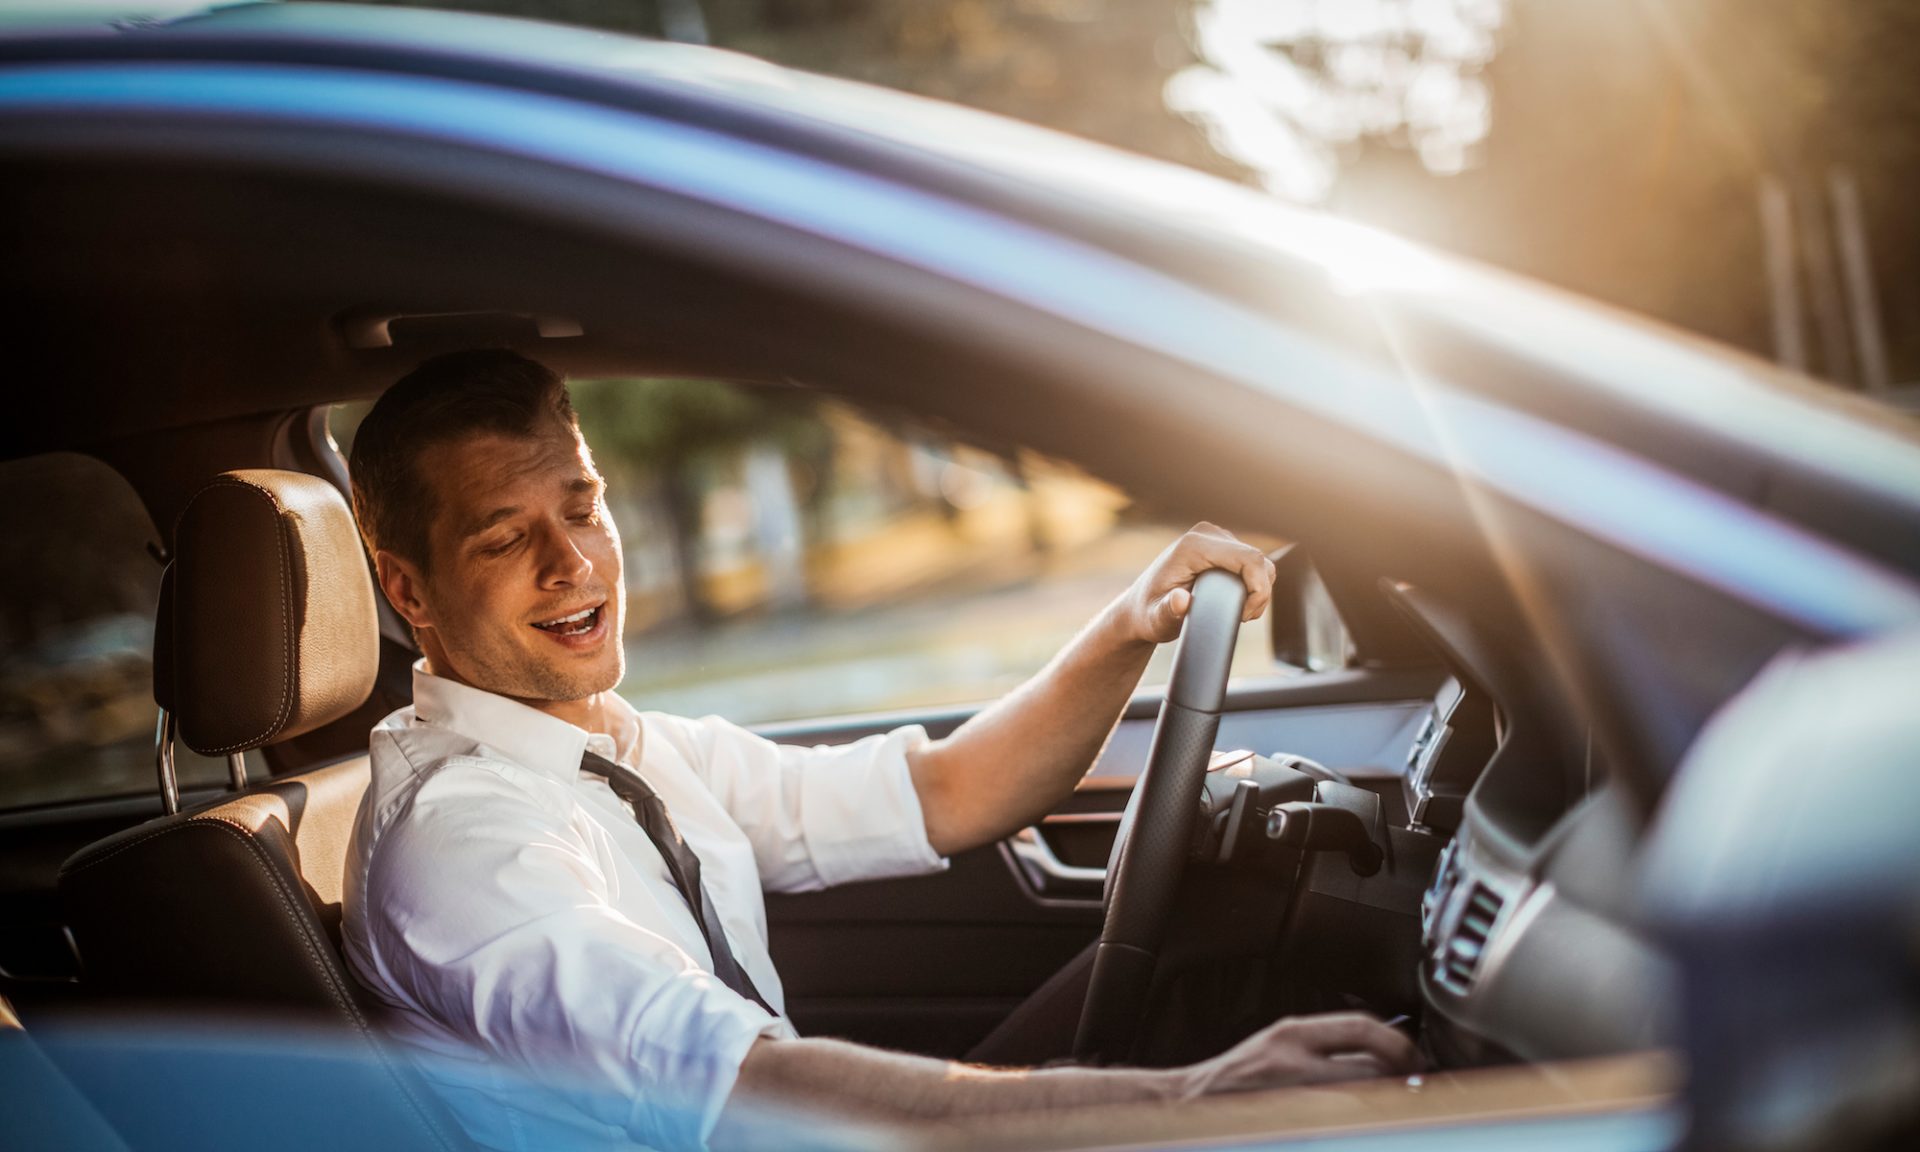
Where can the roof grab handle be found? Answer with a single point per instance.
(370, 329)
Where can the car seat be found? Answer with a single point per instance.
(267, 630)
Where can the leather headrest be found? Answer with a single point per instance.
(267, 627)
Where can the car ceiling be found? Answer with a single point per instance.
(226, 293)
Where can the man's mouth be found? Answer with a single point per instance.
(575, 624)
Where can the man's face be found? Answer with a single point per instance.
(523, 595)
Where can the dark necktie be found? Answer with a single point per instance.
(650, 812)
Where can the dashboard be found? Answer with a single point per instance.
(1531, 954)
(1528, 948)
(1503, 923)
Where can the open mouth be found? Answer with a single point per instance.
(577, 624)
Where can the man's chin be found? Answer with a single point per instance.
(530, 672)
(557, 681)
(578, 683)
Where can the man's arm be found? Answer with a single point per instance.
(1015, 761)
(872, 1085)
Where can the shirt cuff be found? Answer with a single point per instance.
(860, 812)
(716, 1043)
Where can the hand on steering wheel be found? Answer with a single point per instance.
(1158, 602)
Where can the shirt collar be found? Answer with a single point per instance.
(519, 733)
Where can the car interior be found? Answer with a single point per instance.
(1443, 836)
(229, 907)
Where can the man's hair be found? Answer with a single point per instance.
(446, 398)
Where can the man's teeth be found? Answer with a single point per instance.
(584, 618)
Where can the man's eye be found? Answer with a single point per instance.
(499, 549)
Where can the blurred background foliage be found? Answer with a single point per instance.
(672, 435)
(788, 555)
(1614, 147)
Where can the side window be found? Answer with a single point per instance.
(77, 594)
(790, 556)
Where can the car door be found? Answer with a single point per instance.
(934, 963)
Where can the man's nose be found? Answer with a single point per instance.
(562, 563)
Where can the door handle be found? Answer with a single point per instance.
(1047, 875)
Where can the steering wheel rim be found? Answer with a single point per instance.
(1145, 869)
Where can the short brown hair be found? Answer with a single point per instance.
(447, 397)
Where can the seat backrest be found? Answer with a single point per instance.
(233, 906)
(267, 630)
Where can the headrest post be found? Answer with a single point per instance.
(237, 770)
(163, 762)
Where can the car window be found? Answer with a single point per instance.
(78, 586)
(791, 556)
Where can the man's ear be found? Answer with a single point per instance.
(405, 586)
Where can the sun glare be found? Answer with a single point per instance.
(1291, 88)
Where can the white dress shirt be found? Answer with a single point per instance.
(519, 923)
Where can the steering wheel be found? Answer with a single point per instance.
(1150, 849)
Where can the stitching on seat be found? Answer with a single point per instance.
(246, 835)
(287, 629)
(72, 869)
(224, 824)
(342, 997)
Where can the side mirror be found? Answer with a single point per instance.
(1302, 621)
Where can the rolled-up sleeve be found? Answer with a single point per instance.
(818, 816)
(490, 911)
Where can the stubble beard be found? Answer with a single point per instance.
(495, 664)
(543, 681)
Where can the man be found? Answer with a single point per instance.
(513, 890)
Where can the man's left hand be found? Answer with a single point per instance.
(1014, 762)
(1152, 609)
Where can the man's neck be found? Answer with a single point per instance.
(588, 713)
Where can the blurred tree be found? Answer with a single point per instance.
(1602, 173)
(1094, 68)
(1091, 67)
(1832, 90)
(670, 431)
(1628, 139)
(1630, 142)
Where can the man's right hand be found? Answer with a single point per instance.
(868, 1084)
(1305, 1050)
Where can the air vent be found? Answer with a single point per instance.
(1459, 957)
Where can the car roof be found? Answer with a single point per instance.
(1227, 238)
(103, 16)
